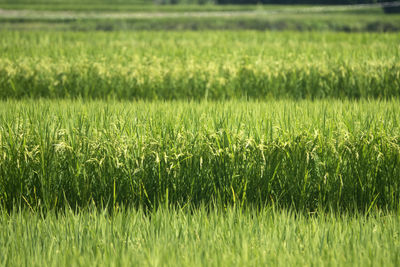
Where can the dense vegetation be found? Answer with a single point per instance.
(199, 238)
(122, 16)
(205, 65)
(207, 148)
(222, 5)
(308, 156)
(338, 22)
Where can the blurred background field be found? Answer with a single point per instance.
(142, 15)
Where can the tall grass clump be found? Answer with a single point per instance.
(196, 66)
(304, 155)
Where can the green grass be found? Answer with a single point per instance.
(139, 6)
(121, 16)
(300, 167)
(275, 22)
(193, 18)
(307, 156)
(135, 7)
(198, 238)
(199, 65)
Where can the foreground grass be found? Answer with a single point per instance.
(305, 155)
(198, 238)
(199, 65)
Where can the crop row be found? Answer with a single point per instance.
(205, 65)
(306, 155)
(198, 238)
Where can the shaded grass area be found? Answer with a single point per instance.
(199, 65)
(307, 156)
(198, 238)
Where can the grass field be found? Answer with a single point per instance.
(123, 144)
(131, 16)
(199, 65)
(308, 156)
(199, 238)
(204, 20)
(129, 6)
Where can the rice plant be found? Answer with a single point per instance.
(309, 156)
(198, 66)
(198, 238)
